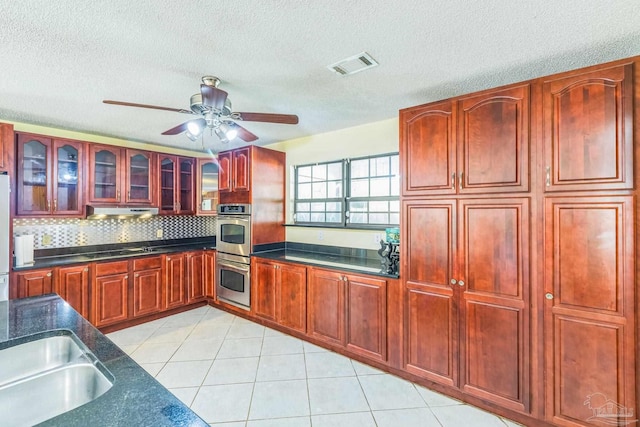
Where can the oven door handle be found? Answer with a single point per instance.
(240, 268)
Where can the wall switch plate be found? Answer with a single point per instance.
(320, 235)
(159, 233)
(47, 239)
(377, 238)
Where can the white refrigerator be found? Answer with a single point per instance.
(4, 237)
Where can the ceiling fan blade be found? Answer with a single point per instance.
(287, 119)
(155, 107)
(243, 134)
(183, 127)
(213, 97)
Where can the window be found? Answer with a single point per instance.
(362, 192)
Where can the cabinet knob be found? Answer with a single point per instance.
(85, 270)
(137, 275)
(454, 281)
(168, 258)
(48, 274)
(461, 283)
(548, 296)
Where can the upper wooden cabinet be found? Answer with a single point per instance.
(235, 173)
(477, 144)
(588, 130)
(207, 203)
(119, 175)
(177, 176)
(50, 176)
(6, 147)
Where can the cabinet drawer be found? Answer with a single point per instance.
(147, 263)
(108, 268)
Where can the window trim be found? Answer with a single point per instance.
(346, 196)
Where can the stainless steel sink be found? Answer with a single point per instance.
(47, 376)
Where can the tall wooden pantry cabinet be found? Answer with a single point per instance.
(518, 246)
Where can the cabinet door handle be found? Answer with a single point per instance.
(55, 205)
(129, 195)
(548, 176)
(118, 195)
(460, 180)
(48, 205)
(453, 181)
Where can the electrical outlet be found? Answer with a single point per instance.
(376, 238)
(159, 233)
(47, 239)
(320, 235)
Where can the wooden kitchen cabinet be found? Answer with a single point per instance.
(119, 175)
(208, 187)
(110, 293)
(210, 274)
(235, 170)
(348, 310)
(34, 282)
(147, 286)
(467, 296)
(475, 144)
(6, 147)
(195, 274)
(279, 292)
(177, 176)
(50, 176)
(174, 281)
(588, 130)
(589, 305)
(73, 285)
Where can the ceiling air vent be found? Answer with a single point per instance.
(353, 64)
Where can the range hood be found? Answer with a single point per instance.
(99, 212)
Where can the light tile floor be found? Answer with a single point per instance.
(236, 373)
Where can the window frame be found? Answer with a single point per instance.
(346, 198)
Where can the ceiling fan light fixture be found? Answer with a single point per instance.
(221, 135)
(194, 128)
(229, 132)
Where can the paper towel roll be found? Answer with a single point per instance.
(23, 248)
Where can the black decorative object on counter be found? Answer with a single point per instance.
(390, 254)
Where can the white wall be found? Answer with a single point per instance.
(373, 138)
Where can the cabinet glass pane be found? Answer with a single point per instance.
(34, 177)
(167, 184)
(139, 167)
(209, 187)
(66, 186)
(186, 185)
(105, 178)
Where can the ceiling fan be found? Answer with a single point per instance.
(214, 108)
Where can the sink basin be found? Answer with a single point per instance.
(45, 375)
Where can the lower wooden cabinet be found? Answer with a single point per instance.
(174, 281)
(33, 283)
(349, 310)
(210, 274)
(195, 264)
(111, 293)
(279, 293)
(147, 286)
(72, 284)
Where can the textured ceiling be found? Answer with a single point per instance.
(60, 59)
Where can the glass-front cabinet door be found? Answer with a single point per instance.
(186, 200)
(208, 191)
(104, 167)
(66, 184)
(34, 175)
(139, 177)
(167, 184)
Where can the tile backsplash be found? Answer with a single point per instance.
(68, 232)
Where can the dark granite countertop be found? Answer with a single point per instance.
(80, 255)
(339, 261)
(136, 398)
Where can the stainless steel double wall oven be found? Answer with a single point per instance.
(233, 244)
